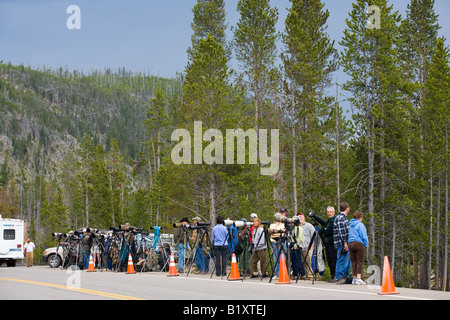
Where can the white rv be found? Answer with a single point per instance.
(11, 241)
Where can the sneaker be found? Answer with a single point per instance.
(359, 282)
(341, 281)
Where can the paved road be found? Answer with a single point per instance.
(43, 283)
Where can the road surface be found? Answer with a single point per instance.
(44, 283)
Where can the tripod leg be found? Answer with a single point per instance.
(276, 262)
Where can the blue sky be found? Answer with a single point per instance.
(149, 36)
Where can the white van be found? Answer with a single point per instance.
(11, 241)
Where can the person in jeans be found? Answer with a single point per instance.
(198, 255)
(340, 236)
(296, 251)
(357, 244)
(181, 237)
(220, 235)
(276, 230)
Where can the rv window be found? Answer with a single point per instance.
(9, 234)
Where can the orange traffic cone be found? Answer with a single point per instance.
(91, 264)
(172, 267)
(283, 277)
(387, 286)
(234, 270)
(130, 268)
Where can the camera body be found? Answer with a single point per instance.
(287, 221)
(316, 219)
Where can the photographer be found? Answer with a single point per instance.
(259, 254)
(276, 229)
(87, 242)
(327, 233)
(180, 236)
(96, 243)
(198, 255)
(296, 251)
(220, 235)
(308, 232)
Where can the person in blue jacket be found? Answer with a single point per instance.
(357, 244)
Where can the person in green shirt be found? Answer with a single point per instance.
(327, 234)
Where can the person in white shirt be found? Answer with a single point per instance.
(28, 250)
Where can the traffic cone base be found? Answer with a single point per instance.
(91, 264)
(387, 286)
(130, 268)
(234, 275)
(283, 277)
(172, 267)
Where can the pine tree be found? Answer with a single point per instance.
(208, 96)
(4, 172)
(436, 115)
(418, 33)
(116, 165)
(309, 58)
(255, 41)
(100, 198)
(370, 58)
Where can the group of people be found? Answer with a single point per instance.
(350, 242)
(344, 243)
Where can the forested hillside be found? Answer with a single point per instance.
(94, 149)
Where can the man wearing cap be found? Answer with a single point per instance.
(180, 236)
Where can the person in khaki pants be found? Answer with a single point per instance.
(259, 250)
(28, 250)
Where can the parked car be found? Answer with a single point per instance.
(52, 258)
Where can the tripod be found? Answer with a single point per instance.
(151, 252)
(312, 268)
(228, 237)
(183, 238)
(69, 256)
(198, 244)
(283, 246)
(268, 245)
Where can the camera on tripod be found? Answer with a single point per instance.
(190, 227)
(287, 221)
(242, 224)
(316, 219)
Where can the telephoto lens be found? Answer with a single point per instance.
(228, 223)
(242, 224)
